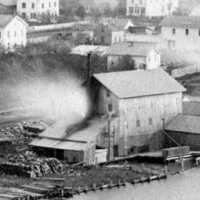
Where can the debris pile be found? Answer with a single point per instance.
(30, 165)
(14, 131)
(22, 132)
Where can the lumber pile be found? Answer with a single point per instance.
(30, 165)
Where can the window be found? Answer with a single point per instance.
(15, 34)
(8, 34)
(23, 5)
(187, 31)
(102, 40)
(130, 10)
(24, 15)
(0, 34)
(42, 5)
(173, 31)
(150, 121)
(108, 93)
(32, 5)
(199, 32)
(110, 107)
(138, 123)
(33, 15)
(55, 4)
(49, 4)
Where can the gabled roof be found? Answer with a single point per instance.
(128, 48)
(139, 83)
(6, 19)
(185, 124)
(182, 22)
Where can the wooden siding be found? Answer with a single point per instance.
(140, 118)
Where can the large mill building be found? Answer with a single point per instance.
(143, 101)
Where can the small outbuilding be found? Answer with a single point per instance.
(184, 130)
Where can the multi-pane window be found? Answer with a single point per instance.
(32, 5)
(173, 31)
(150, 121)
(187, 31)
(138, 123)
(42, 5)
(23, 5)
(33, 15)
(110, 107)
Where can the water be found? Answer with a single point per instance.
(185, 186)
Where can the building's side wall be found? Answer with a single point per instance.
(181, 39)
(106, 98)
(14, 34)
(140, 118)
(118, 36)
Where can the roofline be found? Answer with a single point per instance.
(17, 17)
(126, 55)
(126, 98)
(150, 95)
(182, 132)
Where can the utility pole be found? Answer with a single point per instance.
(110, 154)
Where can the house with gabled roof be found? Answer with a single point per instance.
(143, 55)
(181, 32)
(13, 31)
(143, 101)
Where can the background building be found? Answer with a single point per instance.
(184, 130)
(143, 100)
(151, 8)
(13, 31)
(144, 56)
(181, 32)
(32, 9)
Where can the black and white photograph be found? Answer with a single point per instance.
(99, 99)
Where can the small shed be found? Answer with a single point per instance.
(73, 146)
(184, 130)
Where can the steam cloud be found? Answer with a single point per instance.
(53, 92)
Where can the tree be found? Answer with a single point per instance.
(80, 12)
(125, 63)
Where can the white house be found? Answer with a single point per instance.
(144, 101)
(144, 56)
(151, 8)
(181, 32)
(32, 9)
(13, 31)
